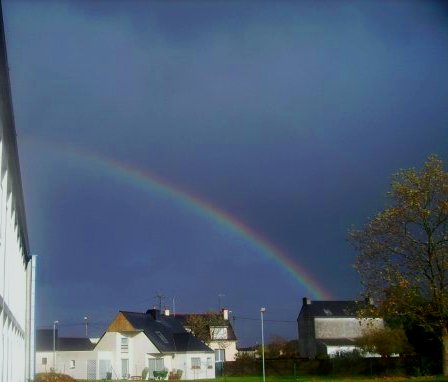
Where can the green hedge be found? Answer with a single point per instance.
(343, 366)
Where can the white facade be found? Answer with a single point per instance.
(16, 291)
(16, 265)
(228, 348)
(125, 355)
(73, 363)
(344, 327)
(331, 327)
(222, 339)
(130, 353)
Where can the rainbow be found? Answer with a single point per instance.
(151, 182)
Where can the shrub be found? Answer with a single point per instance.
(145, 373)
(53, 377)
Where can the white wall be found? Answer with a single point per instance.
(64, 362)
(140, 350)
(183, 361)
(43, 366)
(343, 327)
(15, 327)
(228, 346)
(333, 351)
(141, 347)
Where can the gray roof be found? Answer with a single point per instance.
(44, 342)
(331, 308)
(166, 332)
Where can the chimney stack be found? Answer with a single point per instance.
(225, 314)
(166, 312)
(154, 313)
(306, 301)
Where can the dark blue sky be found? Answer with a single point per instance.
(289, 116)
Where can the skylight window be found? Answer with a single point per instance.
(162, 337)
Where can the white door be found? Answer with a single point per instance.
(104, 368)
(91, 369)
(124, 368)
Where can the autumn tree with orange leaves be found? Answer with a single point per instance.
(403, 252)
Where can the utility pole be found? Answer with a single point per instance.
(160, 297)
(54, 343)
(262, 311)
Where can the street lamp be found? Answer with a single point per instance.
(85, 323)
(54, 343)
(262, 310)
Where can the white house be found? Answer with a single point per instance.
(133, 343)
(16, 264)
(331, 327)
(222, 336)
(67, 355)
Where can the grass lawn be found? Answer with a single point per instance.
(325, 379)
(332, 379)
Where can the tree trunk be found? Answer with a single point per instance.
(445, 351)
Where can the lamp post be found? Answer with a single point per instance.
(262, 310)
(85, 324)
(54, 343)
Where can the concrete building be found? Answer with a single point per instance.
(331, 327)
(16, 264)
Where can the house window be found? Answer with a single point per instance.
(124, 368)
(218, 333)
(124, 344)
(220, 355)
(72, 364)
(44, 360)
(195, 363)
(155, 364)
(209, 363)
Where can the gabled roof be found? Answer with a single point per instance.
(44, 342)
(331, 308)
(44, 339)
(166, 333)
(75, 344)
(183, 318)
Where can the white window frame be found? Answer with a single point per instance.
(196, 363)
(155, 364)
(220, 355)
(219, 332)
(124, 345)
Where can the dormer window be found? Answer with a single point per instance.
(218, 333)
